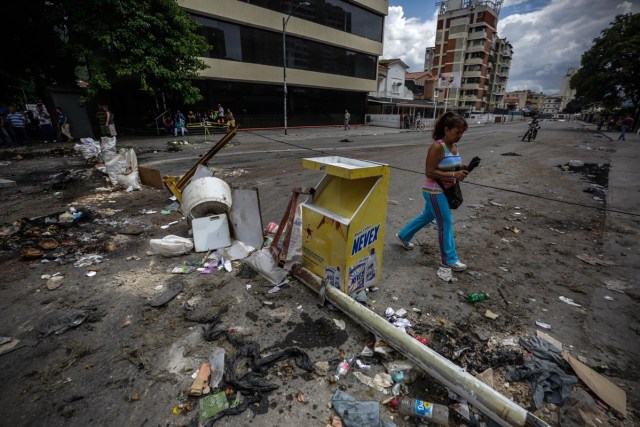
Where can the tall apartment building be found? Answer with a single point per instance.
(566, 92)
(467, 43)
(429, 54)
(332, 51)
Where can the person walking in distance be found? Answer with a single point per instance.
(347, 119)
(18, 123)
(627, 124)
(5, 138)
(167, 122)
(63, 126)
(443, 163)
(110, 121)
(46, 129)
(179, 122)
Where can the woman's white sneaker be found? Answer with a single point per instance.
(456, 266)
(407, 245)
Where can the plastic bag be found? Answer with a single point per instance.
(131, 177)
(171, 245)
(263, 263)
(88, 148)
(107, 148)
(116, 166)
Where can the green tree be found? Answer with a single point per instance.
(102, 42)
(609, 70)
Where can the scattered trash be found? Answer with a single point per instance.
(89, 260)
(616, 285)
(608, 298)
(166, 296)
(545, 372)
(486, 377)
(212, 405)
(435, 413)
(480, 296)
(340, 324)
(557, 231)
(91, 273)
(356, 413)
(396, 320)
(568, 301)
(171, 245)
(362, 366)
(491, 315)
(610, 393)
(263, 263)
(549, 339)
(237, 250)
(200, 384)
(164, 227)
(181, 269)
(378, 382)
(445, 274)
(321, 368)
(366, 352)
(496, 203)
(515, 230)
(343, 368)
(543, 325)
(594, 261)
(66, 321)
(54, 282)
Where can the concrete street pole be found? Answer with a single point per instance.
(493, 404)
(284, 57)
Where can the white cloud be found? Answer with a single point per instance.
(545, 42)
(550, 40)
(407, 38)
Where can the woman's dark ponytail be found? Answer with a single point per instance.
(448, 120)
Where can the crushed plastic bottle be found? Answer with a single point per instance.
(343, 368)
(437, 414)
(480, 296)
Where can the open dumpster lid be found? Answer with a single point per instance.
(344, 167)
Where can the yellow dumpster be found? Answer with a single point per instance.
(343, 223)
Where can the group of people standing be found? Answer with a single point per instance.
(15, 126)
(178, 122)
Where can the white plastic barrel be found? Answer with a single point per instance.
(204, 197)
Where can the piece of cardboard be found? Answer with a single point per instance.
(150, 177)
(610, 393)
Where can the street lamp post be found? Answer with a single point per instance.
(284, 57)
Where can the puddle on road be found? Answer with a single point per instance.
(317, 333)
(597, 173)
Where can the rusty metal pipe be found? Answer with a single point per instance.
(487, 400)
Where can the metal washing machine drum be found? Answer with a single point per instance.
(205, 197)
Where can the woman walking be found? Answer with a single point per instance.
(443, 163)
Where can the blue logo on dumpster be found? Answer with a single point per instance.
(365, 238)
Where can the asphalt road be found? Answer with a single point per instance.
(524, 272)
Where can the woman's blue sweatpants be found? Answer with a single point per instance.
(436, 207)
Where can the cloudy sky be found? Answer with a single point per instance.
(548, 36)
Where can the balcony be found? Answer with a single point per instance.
(470, 86)
(477, 35)
(473, 61)
(472, 74)
(477, 48)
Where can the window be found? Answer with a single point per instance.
(253, 45)
(338, 14)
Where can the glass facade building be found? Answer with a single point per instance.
(332, 48)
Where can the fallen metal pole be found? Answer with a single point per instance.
(487, 400)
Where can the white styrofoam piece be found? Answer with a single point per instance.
(210, 232)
